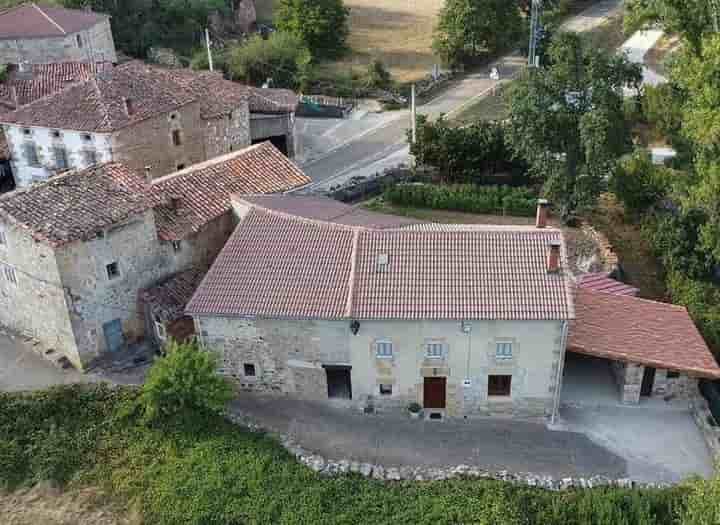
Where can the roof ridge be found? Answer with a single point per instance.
(351, 276)
(316, 222)
(633, 297)
(49, 18)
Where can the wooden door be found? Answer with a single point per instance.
(434, 392)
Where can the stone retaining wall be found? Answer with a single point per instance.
(703, 417)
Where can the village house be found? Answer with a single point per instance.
(77, 249)
(318, 300)
(142, 116)
(34, 34)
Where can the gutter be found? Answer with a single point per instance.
(560, 370)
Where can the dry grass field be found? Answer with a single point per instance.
(398, 32)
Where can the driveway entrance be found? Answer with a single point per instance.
(588, 382)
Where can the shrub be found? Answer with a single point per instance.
(320, 25)
(638, 183)
(199, 60)
(465, 197)
(702, 506)
(185, 380)
(662, 108)
(376, 76)
(282, 58)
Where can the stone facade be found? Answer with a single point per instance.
(280, 129)
(227, 133)
(629, 378)
(291, 356)
(95, 44)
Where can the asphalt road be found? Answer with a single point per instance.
(356, 155)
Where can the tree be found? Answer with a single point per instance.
(467, 28)
(638, 183)
(281, 58)
(567, 120)
(186, 379)
(321, 25)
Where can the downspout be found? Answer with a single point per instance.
(560, 369)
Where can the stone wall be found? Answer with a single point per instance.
(707, 425)
(263, 127)
(227, 133)
(92, 45)
(629, 377)
(681, 386)
(150, 142)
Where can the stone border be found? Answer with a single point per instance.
(379, 472)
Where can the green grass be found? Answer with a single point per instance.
(491, 107)
(204, 470)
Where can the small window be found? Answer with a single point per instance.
(249, 370)
(78, 39)
(673, 374)
(499, 385)
(176, 138)
(384, 349)
(173, 116)
(177, 246)
(3, 238)
(61, 159)
(89, 157)
(503, 350)
(27, 132)
(55, 134)
(180, 167)
(10, 275)
(113, 270)
(86, 137)
(386, 390)
(31, 154)
(434, 350)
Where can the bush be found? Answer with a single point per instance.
(465, 197)
(199, 60)
(282, 58)
(703, 506)
(638, 183)
(185, 380)
(320, 25)
(376, 76)
(662, 108)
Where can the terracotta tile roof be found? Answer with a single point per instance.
(600, 282)
(277, 265)
(33, 21)
(629, 329)
(189, 199)
(167, 299)
(45, 80)
(99, 104)
(78, 204)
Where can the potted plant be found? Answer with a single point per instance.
(414, 409)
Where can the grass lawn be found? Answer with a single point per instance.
(204, 470)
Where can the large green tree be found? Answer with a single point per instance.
(322, 25)
(567, 120)
(467, 28)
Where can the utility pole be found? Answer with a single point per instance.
(413, 113)
(535, 9)
(209, 51)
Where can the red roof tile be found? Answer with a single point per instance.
(167, 300)
(277, 265)
(625, 328)
(78, 204)
(202, 191)
(600, 282)
(33, 21)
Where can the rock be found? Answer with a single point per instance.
(378, 472)
(317, 463)
(393, 474)
(355, 467)
(343, 466)
(366, 469)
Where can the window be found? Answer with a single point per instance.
(3, 238)
(499, 385)
(176, 138)
(9, 274)
(249, 369)
(78, 39)
(673, 374)
(384, 349)
(89, 157)
(27, 132)
(61, 159)
(30, 153)
(173, 116)
(177, 246)
(55, 134)
(503, 350)
(86, 137)
(113, 270)
(180, 167)
(434, 350)
(385, 390)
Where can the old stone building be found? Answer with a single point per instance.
(46, 34)
(77, 249)
(143, 117)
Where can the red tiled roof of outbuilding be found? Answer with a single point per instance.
(33, 21)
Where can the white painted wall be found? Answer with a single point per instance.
(43, 138)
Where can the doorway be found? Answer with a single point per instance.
(339, 384)
(114, 338)
(434, 391)
(647, 381)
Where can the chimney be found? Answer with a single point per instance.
(553, 260)
(542, 213)
(148, 173)
(175, 202)
(24, 71)
(129, 106)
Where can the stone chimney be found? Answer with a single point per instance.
(541, 217)
(148, 173)
(553, 259)
(24, 71)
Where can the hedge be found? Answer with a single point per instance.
(501, 200)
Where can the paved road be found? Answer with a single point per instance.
(492, 444)
(357, 155)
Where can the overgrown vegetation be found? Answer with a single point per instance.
(501, 200)
(321, 25)
(200, 469)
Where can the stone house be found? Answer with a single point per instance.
(322, 301)
(140, 116)
(46, 34)
(76, 250)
